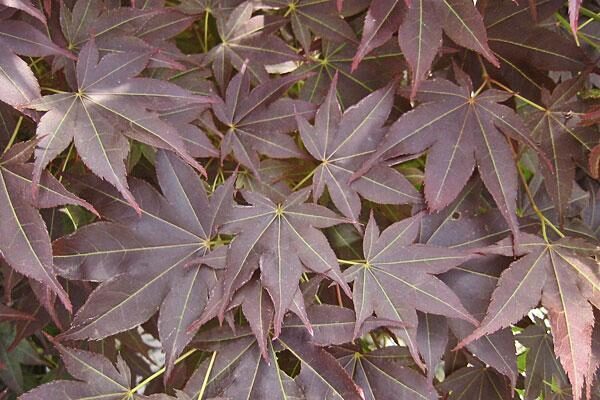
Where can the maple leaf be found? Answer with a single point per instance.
(216, 7)
(474, 282)
(109, 105)
(184, 120)
(526, 54)
(383, 374)
(420, 31)
(112, 252)
(542, 365)
(24, 240)
(124, 29)
(562, 140)
(235, 354)
(563, 276)
(281, 237)
(258, 120)
(320, 17)
(334, 59)
(398, 278)
(320, 375)
(477, 383)
(341, 142)
(475, 126)
(96, 377)
(238, 352)
(19, 85)
(533, 45)
(247, 40)
(462, 226)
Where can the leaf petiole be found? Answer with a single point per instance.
(14, 134)
(208, 371)
(304, 180)
(158, 373)
(517, 95)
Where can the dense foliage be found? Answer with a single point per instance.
(299, 199)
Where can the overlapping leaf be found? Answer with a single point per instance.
(96, 377)
(376, 71)
(562, 140)
(420, 31)
(342, 142)
(124, 29)
(463, 226)
(246, 40)
(563, 276)
(477, 383)
(523, 53)
(110, 104)
(281, 237)
(238, 353)
(320, 17)
(474, 127)
(383, 375)
(19, 85)
(24, 240)
(25, 6)
(543, 367)
(258, 120)
(239, 371)
(398, 278)
(144, 259)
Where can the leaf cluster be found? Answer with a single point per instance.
(299, 199)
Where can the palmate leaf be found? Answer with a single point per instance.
(123, 29)
(24, 240)
(563, 276)
(280, 236)
(475, 127)
(239, 371)
(542, 365)
(420, 31)
(109, 104)
(534, 44)
(96, 377)
(477, 383)
(238, 353)
(320, 17)
(247, 40)
(342, 142)
(398, 278)
(145, 259)
(376, 71)
(523, 53)
(562, 139)
(383, 374)
(259, 121)
(462, 226)
(474, 282)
